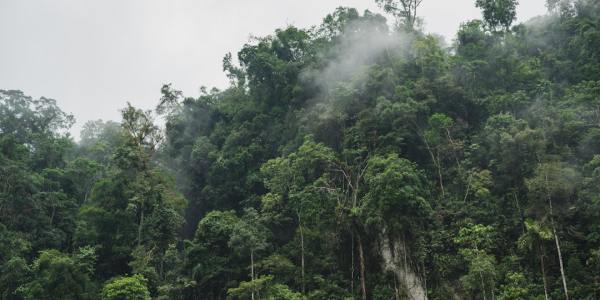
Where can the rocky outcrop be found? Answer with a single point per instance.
(396, 260)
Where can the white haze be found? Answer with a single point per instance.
(93, 56)
(356, 50)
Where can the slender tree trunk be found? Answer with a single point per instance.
(87, 192)
(396, 289)
(440, 177)
(352, 265)
(424, 280)
(363, 285)
(302, 253)
(406, 283)
(252, 271)
(52, 215)
(468, 188)
(352, 191)
(460, 170)
(482, 285)
(162, 268)
(139, 237)
(435, 160)
(440, 174)
(520, 212)
(543, 272)
(560, 262)
(439, 169)
(560, 259)
(596, 289)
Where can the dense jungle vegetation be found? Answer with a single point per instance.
(358, 159)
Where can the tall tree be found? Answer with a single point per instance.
(405, 11)
(552, 188)
(498, 14)
(249, 237)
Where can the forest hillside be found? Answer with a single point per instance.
(357, 159)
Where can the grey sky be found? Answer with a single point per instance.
(93, 56)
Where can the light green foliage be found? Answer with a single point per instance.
(126, 288)
(430, 57)
(535, 233)
(246, 288)
(396, 195)
(301, 179)
(476, 236)
(26, 118)
(248, 235)
(516, 287)
(480, 278)
(477, 241)
(268, 290)
(249, 238)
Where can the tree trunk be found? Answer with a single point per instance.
(352, 265)
(363, 285)
(162, 268)
(521, 215)
(396, 289)
(439, 167)
(435, 161)
(453, 151)
(252, 271)
(52, 215)
(302, 253)
(139, 237)
(560, 262)
(424, 280)
(482, 285)
(560, 259)
(88, 191)
(405, 258)
(468, 187)
(543, 272)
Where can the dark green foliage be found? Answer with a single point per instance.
(56, 275)
(498, 13)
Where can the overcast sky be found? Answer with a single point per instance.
(94, 55)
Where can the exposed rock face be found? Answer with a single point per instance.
(395, 259)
